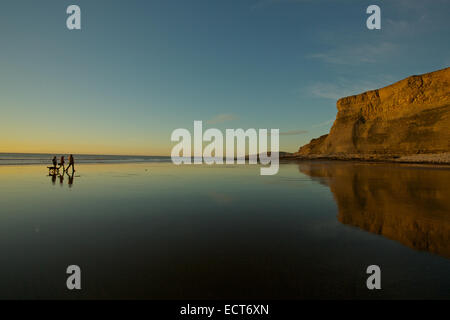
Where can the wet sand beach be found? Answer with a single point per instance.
(159, 231)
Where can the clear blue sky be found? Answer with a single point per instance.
(139, 69)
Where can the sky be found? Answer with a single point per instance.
(139, 69)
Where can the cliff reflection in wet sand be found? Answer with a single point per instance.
(408, 204)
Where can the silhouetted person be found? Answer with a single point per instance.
(54, 161)
(61, 164)
(71, 164)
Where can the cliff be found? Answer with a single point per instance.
(409, 117)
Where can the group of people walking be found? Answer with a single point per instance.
(62, 163)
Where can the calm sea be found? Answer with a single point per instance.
(43, 158)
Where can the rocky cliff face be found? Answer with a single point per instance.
(408, 117)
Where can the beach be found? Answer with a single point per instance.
(153, 230)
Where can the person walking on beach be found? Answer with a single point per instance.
(54, 161)
(61, 163)
(71, 164)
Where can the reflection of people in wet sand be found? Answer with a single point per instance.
(61, 178)
(71, 164)
(70, 177)
(53, 178)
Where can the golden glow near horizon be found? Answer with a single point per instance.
(83, 150)
(106, 147)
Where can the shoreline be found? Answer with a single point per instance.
(82, 163)
(430, 159)
(283, 160)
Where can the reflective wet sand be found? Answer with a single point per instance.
(406, 203)
(156, 231)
